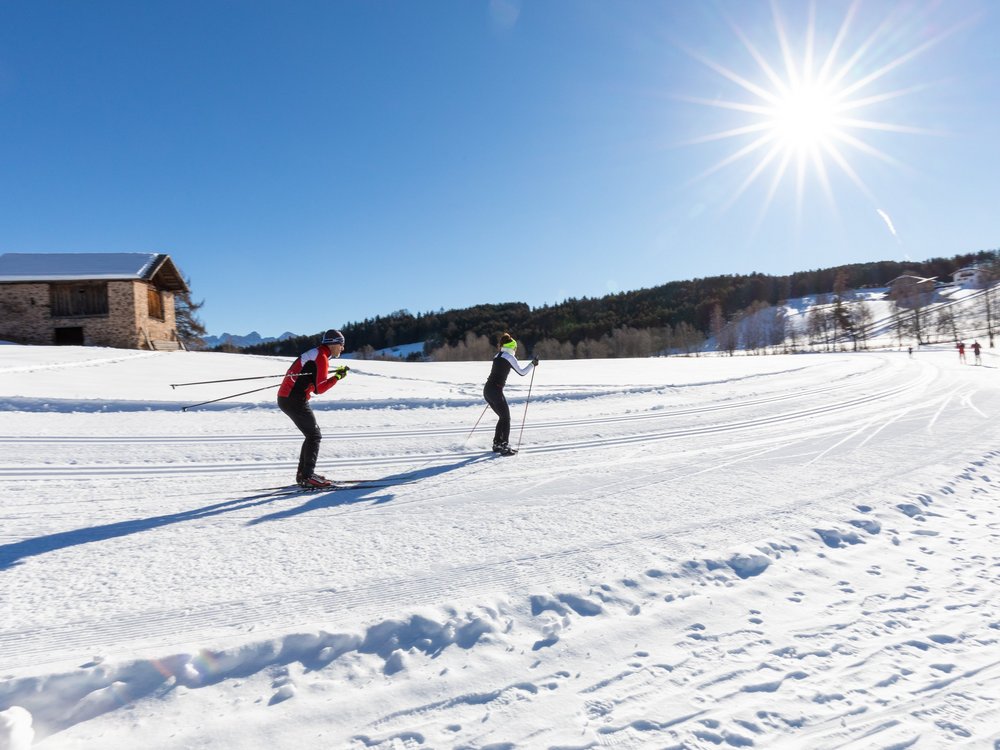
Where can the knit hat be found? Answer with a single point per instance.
(333, 336)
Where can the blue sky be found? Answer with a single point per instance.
(309, 164)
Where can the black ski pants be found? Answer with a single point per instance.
(498, 403)
(299, 411)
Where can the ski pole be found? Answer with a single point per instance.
(224, 398)
(531, 383)
(229, 380)
(252, 377)
(476, 424)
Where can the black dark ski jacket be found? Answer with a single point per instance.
(503, 363)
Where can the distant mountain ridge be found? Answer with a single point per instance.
(251, 339)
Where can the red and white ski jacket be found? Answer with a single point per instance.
(309, 374)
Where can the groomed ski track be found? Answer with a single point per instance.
(663, 444)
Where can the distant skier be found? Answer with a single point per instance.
(976, 348)
(961, 351)
(504, 361)
(309, 374)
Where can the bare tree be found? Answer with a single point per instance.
(728, 337)
(190, 330)
(911, 294)
(861, 320)
(946, 322)
(631, 342)
(840, 313)
(755, 326)
(791, 332)
(688, 339)
(819, 321)
(592, 349)
(777, 326)
(470, 349)
(725, 340)
(989, 281)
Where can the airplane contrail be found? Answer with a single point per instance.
(888, 222)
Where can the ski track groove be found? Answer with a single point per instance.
(335, 607)
(92, 471)
(426, 432)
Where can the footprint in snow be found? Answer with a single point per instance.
(946, 668)
(867, 524)
(597, 708)
(775, 685)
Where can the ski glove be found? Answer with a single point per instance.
(534, 362)
(341, 372)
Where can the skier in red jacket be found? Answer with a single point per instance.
(309, 374)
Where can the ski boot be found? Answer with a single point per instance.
(315, 482)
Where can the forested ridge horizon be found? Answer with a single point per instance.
(686, 306)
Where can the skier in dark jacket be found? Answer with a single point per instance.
(309, 374)
(504, 361)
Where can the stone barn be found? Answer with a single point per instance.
(124, 300)
(911, 291)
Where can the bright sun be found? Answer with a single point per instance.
(805, 119)
(802, 111)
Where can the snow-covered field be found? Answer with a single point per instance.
(776, 552)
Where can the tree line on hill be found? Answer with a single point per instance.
(677, 317)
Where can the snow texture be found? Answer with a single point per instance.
(773, 552)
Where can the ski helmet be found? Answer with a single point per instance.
(333, 336)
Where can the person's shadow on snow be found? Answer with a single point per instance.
(12, 554)
(350, 495)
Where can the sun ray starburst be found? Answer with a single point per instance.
(806, 109)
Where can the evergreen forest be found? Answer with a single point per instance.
(677, 316)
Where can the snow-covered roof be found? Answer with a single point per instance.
(968, 271)
(88, 267)
(912, 278)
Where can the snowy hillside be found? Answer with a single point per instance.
(950, 310)
(777, 552)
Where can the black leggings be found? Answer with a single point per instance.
(495, 398)
(302, 415)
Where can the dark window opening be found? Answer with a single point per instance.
(69, 336)
(77, 300)
(155, 303)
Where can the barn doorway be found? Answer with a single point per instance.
(69, 336)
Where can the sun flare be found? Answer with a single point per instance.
(803, 113)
